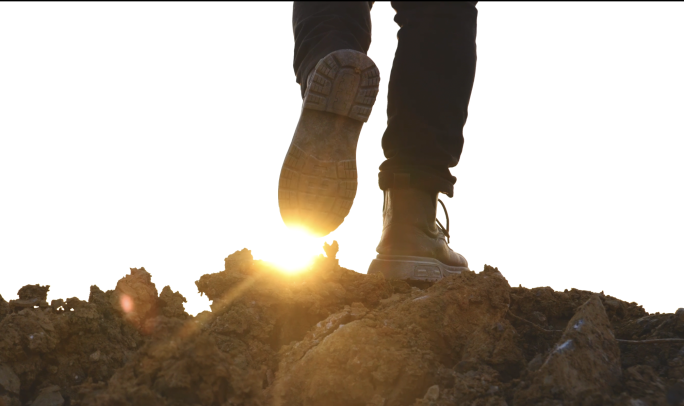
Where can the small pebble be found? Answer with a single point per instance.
(95, 356)
(432, 393)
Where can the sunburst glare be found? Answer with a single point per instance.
(292, 250)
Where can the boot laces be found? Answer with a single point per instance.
(441, 227)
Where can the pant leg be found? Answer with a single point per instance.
(323, 27)
(429, 90)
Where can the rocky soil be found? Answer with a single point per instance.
(331, 336)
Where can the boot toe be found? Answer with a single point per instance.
(456, 259)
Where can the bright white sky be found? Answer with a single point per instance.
(148, 134)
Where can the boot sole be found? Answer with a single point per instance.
(412, 268)
(318, 179)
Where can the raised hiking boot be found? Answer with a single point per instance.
(318, 179)
(414, 244)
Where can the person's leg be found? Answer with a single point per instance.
(339, 84)
(429, 90)
(322, 27)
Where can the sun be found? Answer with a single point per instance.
(293, 250)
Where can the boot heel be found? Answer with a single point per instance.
(412, 268)
(344, 83)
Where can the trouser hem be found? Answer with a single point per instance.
(416, 179)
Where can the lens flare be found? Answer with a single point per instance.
(126, 303)
(292, 251)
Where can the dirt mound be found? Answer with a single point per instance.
(331, 336)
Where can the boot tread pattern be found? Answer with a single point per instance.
(313, 189)
(345, 83)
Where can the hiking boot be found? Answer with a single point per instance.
(318, 179)
(414, 244)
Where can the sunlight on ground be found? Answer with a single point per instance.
(290, 250)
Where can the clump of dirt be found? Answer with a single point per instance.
(331, 336)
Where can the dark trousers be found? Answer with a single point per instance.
(429, 87)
